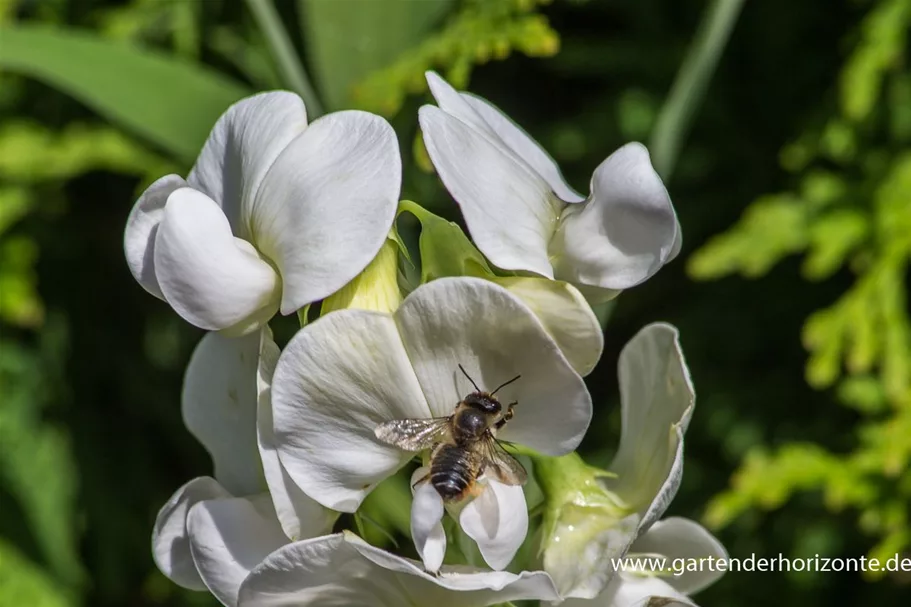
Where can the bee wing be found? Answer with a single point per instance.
(413, 434)
(501, 465)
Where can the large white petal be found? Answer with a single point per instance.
(336, 381)
(326, 206)
(170, 542)
(341, 570)
(300, 515)
(426, 522)
(681, 538)
(142, 227)
(526, 148)
(667, 489)
(212, 279)
(498, 521)
(229, 537)
(496, 125)
(626, 590)
(509, 209)
(241, 148)
(624, 232)
(565, 314)
(657, 397)
(495, 337)
(218, 403)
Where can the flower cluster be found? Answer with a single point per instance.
(479, 363)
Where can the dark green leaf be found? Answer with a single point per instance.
(168, 101)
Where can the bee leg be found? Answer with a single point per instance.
(507, 416)
(420, 480)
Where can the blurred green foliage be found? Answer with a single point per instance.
(98, 97)
(849, 212)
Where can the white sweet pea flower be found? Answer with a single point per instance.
(593, 517)
(561, 308)
(525, 217)
(275, 214)
(342, 569)
(350, 371)
(685, 545)
(207, 535)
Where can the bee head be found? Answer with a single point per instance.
(483, 402)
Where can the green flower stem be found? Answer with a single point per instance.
(289, 63)
(691, 82)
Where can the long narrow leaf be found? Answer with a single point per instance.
(346, 40)
(169, 102)
(691, 83)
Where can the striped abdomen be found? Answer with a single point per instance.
(452, 471)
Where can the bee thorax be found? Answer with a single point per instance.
(470, 425)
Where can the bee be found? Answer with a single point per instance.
(463, 446)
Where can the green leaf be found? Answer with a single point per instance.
(23, 583)
(691, 83)
(445, 249)
(348, 39)
(170, 102)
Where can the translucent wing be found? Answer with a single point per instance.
(501, 465)
(413, 434)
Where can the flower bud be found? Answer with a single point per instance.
(376, 288)
(585, 524)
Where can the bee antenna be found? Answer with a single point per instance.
(503, 385)
(465, 373)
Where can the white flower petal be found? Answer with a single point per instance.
(300, 516)
(627, 590)
(680, 538)
(337, 380)
(241, 148)
(327, 204)
(668, 489)
(342, 570)
(426, 522)
(498, 521)
(496, 125)
(218, 403)
(509, 210)
(170, 543)
(212, 279)
(657, 398)
(142, 227)
(495, 337)
(636, 591)
(526, 148)
(458, 105)
(229, 537)
(566, 315)
(624, 232)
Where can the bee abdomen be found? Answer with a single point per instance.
(451, 472)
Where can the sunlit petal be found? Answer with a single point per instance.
(212, 279)
(495, 337)
(498, 521)
(142, 228)
(170, 542)
(624, 232)
(241, 148)
(229, 537)
(326, 206)
(299, 514)
(657, 398)
(336, 381)
(508, 208)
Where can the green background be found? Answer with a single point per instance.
(792, 187)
